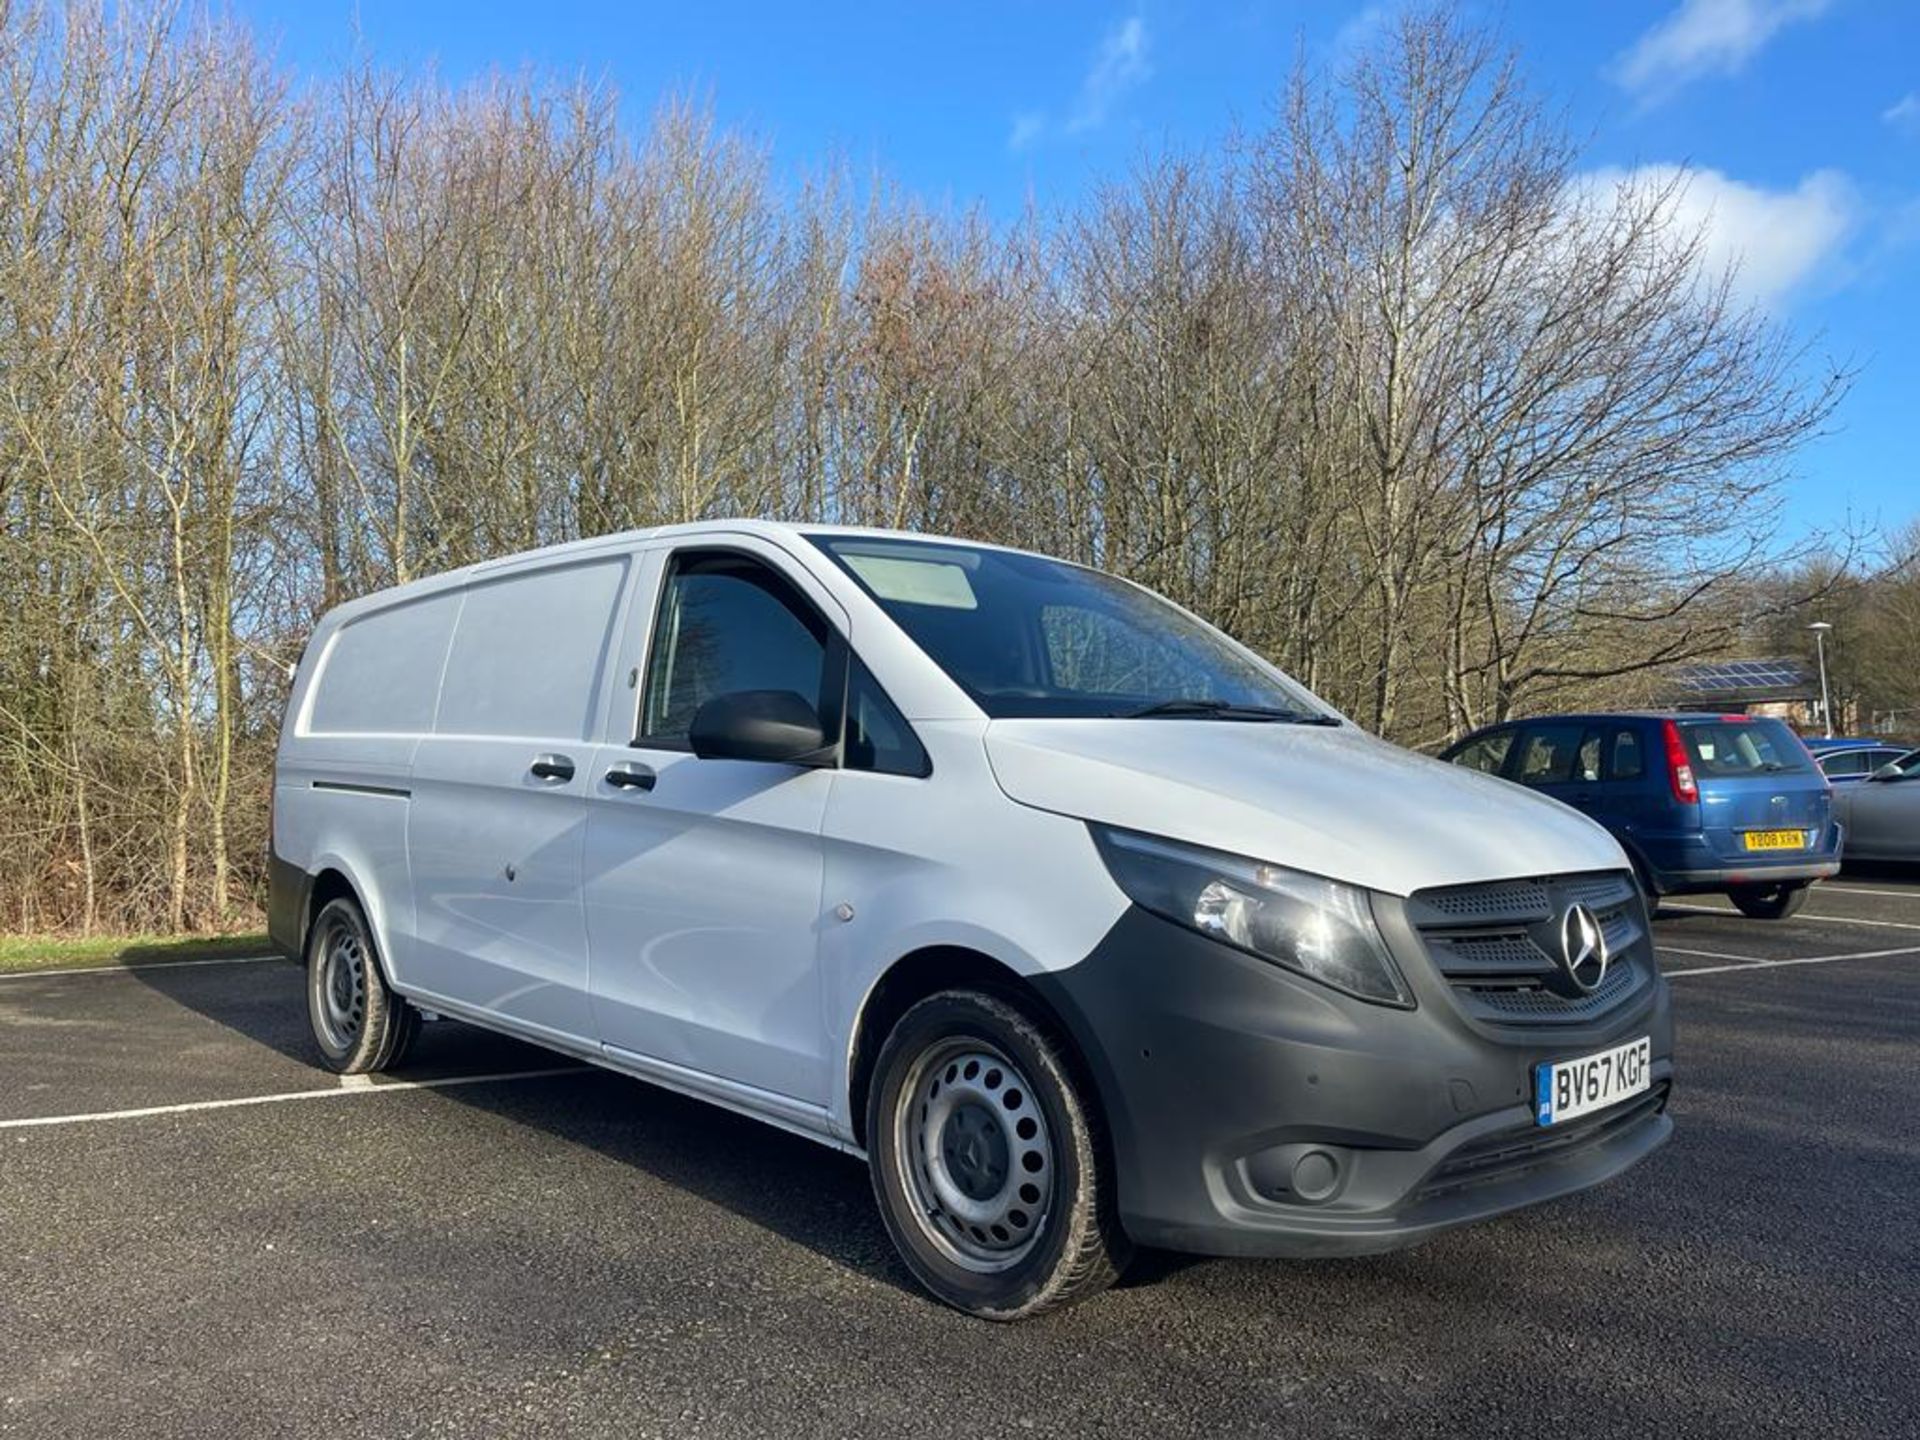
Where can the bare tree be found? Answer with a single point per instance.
(1383, 389)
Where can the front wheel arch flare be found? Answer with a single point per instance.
(912, 978)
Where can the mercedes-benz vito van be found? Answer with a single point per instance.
(1081, 922)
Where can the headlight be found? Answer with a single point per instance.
(1319, 928)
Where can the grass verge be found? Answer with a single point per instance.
(59, 952)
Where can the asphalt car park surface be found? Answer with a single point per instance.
(201, 1232)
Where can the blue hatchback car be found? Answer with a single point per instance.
(1728, 804)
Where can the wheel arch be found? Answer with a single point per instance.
(334, 880)
(927, 971)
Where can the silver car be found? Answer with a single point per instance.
(1881, 814)
(1855, 763)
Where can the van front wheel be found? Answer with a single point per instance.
(1768, 902)
(988, 1161)
(360, 1025)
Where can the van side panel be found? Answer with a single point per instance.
(342, 781)
(494, 844)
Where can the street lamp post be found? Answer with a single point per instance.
(1820, 629)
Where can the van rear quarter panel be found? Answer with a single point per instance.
(341, 774)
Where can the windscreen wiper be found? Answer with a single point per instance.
(1227, 710)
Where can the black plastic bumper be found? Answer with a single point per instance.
(1687, 865)
(1253, 1112)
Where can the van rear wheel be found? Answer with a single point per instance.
(359, 1024)
(988, 1161)
(1768, 902)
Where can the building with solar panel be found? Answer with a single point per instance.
(1786, 689)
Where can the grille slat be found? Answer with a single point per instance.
(1506, 900)
(1540, 1004)
(1490, 955)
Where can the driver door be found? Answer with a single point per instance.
(703, 877)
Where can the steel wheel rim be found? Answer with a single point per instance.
(975, 1155)
(340, 988)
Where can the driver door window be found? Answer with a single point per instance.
(726, 622)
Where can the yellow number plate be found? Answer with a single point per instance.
(1776, 839)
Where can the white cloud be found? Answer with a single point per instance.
(1360, 30)
(1120, 64)
(1904, 113)
(1705, 37)
(1775, 241)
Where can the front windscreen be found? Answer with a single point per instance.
(1029, 636)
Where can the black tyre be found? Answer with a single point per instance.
(989, 1161)
(1768, 902)
(359, 1024)
(1647, 891)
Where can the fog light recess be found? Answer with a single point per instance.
(1316, 1176)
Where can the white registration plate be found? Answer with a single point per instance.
(1570, 1088)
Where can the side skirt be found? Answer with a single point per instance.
(798, 1117)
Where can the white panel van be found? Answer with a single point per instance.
(1082, 923)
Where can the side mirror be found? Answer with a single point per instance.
(1889, 771)
(771, 725)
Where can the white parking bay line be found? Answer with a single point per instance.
(1831, 889)
(348, 1086)
(1746, 964)
(1705, 954)
(1802, 915)
(138, 965)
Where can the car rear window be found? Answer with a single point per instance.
(1744, 747)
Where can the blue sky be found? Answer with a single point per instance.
(1797, 120)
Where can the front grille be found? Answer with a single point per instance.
(1497, 945)
(1514, 1152)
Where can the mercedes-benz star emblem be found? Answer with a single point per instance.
(1583, 948)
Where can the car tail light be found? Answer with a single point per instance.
(1679, 770)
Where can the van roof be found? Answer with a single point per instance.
(595, 544)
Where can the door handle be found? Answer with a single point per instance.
(552, 767)
(631, 775)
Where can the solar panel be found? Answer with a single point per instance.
(1736, 676)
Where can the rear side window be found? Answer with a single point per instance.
(727, 622)
(1626, 758)
(379, 675)
(529, 651)
(1743, 747)
(1848, 762)
(1556, 754)
(1485, 753)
